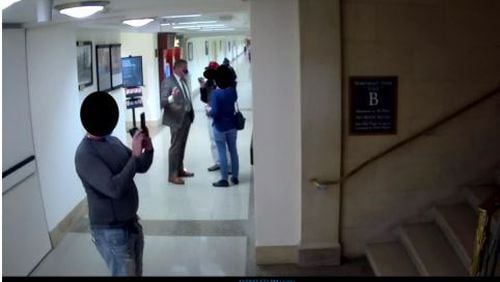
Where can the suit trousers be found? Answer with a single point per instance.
(178, 140)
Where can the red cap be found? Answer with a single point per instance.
(213, 65)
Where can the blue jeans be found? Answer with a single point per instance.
(223, 139)
(121, 249)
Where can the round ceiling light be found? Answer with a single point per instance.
(138, 22)
(81, 9)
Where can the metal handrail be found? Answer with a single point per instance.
(486, 249)
(418, 134)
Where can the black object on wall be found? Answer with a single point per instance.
(373, 105)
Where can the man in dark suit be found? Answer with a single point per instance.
(178, 114)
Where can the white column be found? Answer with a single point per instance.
(277, 122)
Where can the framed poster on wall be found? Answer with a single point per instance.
(190, 51)
(103, 67)
(373, 105)
(116, 66)
(84, 62)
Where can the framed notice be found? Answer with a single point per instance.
(103, 66)
(84, 63)
(116, 66)
(190, 51)
(373, 105)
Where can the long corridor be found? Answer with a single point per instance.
(195, 229)
(190, 230)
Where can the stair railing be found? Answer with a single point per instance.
(478, 262)
(415, 136)
(486, 245)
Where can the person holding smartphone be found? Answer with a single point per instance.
(107, 168)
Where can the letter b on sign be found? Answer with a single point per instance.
(373, 98)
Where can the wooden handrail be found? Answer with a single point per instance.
(418, 134)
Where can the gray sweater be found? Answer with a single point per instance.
(107, 169)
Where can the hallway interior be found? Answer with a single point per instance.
(195, 229)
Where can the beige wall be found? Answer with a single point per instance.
(144, 44)
(446, 53)
(321, 119)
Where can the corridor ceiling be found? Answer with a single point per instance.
(233, 14)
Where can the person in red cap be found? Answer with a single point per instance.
(206, 89)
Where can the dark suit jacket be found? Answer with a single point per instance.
(174, 113)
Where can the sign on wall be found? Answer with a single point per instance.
(373, 105)
(134, 97)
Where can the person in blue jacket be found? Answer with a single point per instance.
(222, 111)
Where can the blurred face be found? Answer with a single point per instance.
(182, 70)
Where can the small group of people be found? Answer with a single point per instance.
(218, 91)
(107, 167)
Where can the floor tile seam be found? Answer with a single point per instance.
(189, 228)
(173, 236)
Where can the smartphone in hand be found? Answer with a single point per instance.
(144, 128)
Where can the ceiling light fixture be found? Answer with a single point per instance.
(182, 16)
(7, 3)
(202, 22)
(138, 22)
(202, 26)
(217, 29)
(81, 9)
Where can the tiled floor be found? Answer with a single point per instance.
(191, 230)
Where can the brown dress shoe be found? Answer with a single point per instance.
(176, 180)
(185, 173)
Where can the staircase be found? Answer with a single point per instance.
(442, 247)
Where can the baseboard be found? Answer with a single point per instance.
(276, 255)
(68, 222)
(149, 123)
(320, 254)
(305, 255)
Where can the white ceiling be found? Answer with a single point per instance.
(231, 13)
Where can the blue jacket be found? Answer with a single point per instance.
(222, 104)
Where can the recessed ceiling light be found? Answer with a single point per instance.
(138, 22)
(182, 16)
(202, 22)
(201, 26)
(81, 9)
(217, 29)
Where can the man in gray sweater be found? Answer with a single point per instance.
(107, 168)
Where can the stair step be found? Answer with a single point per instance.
(390, 259)
(430, 251)
(458, 223)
